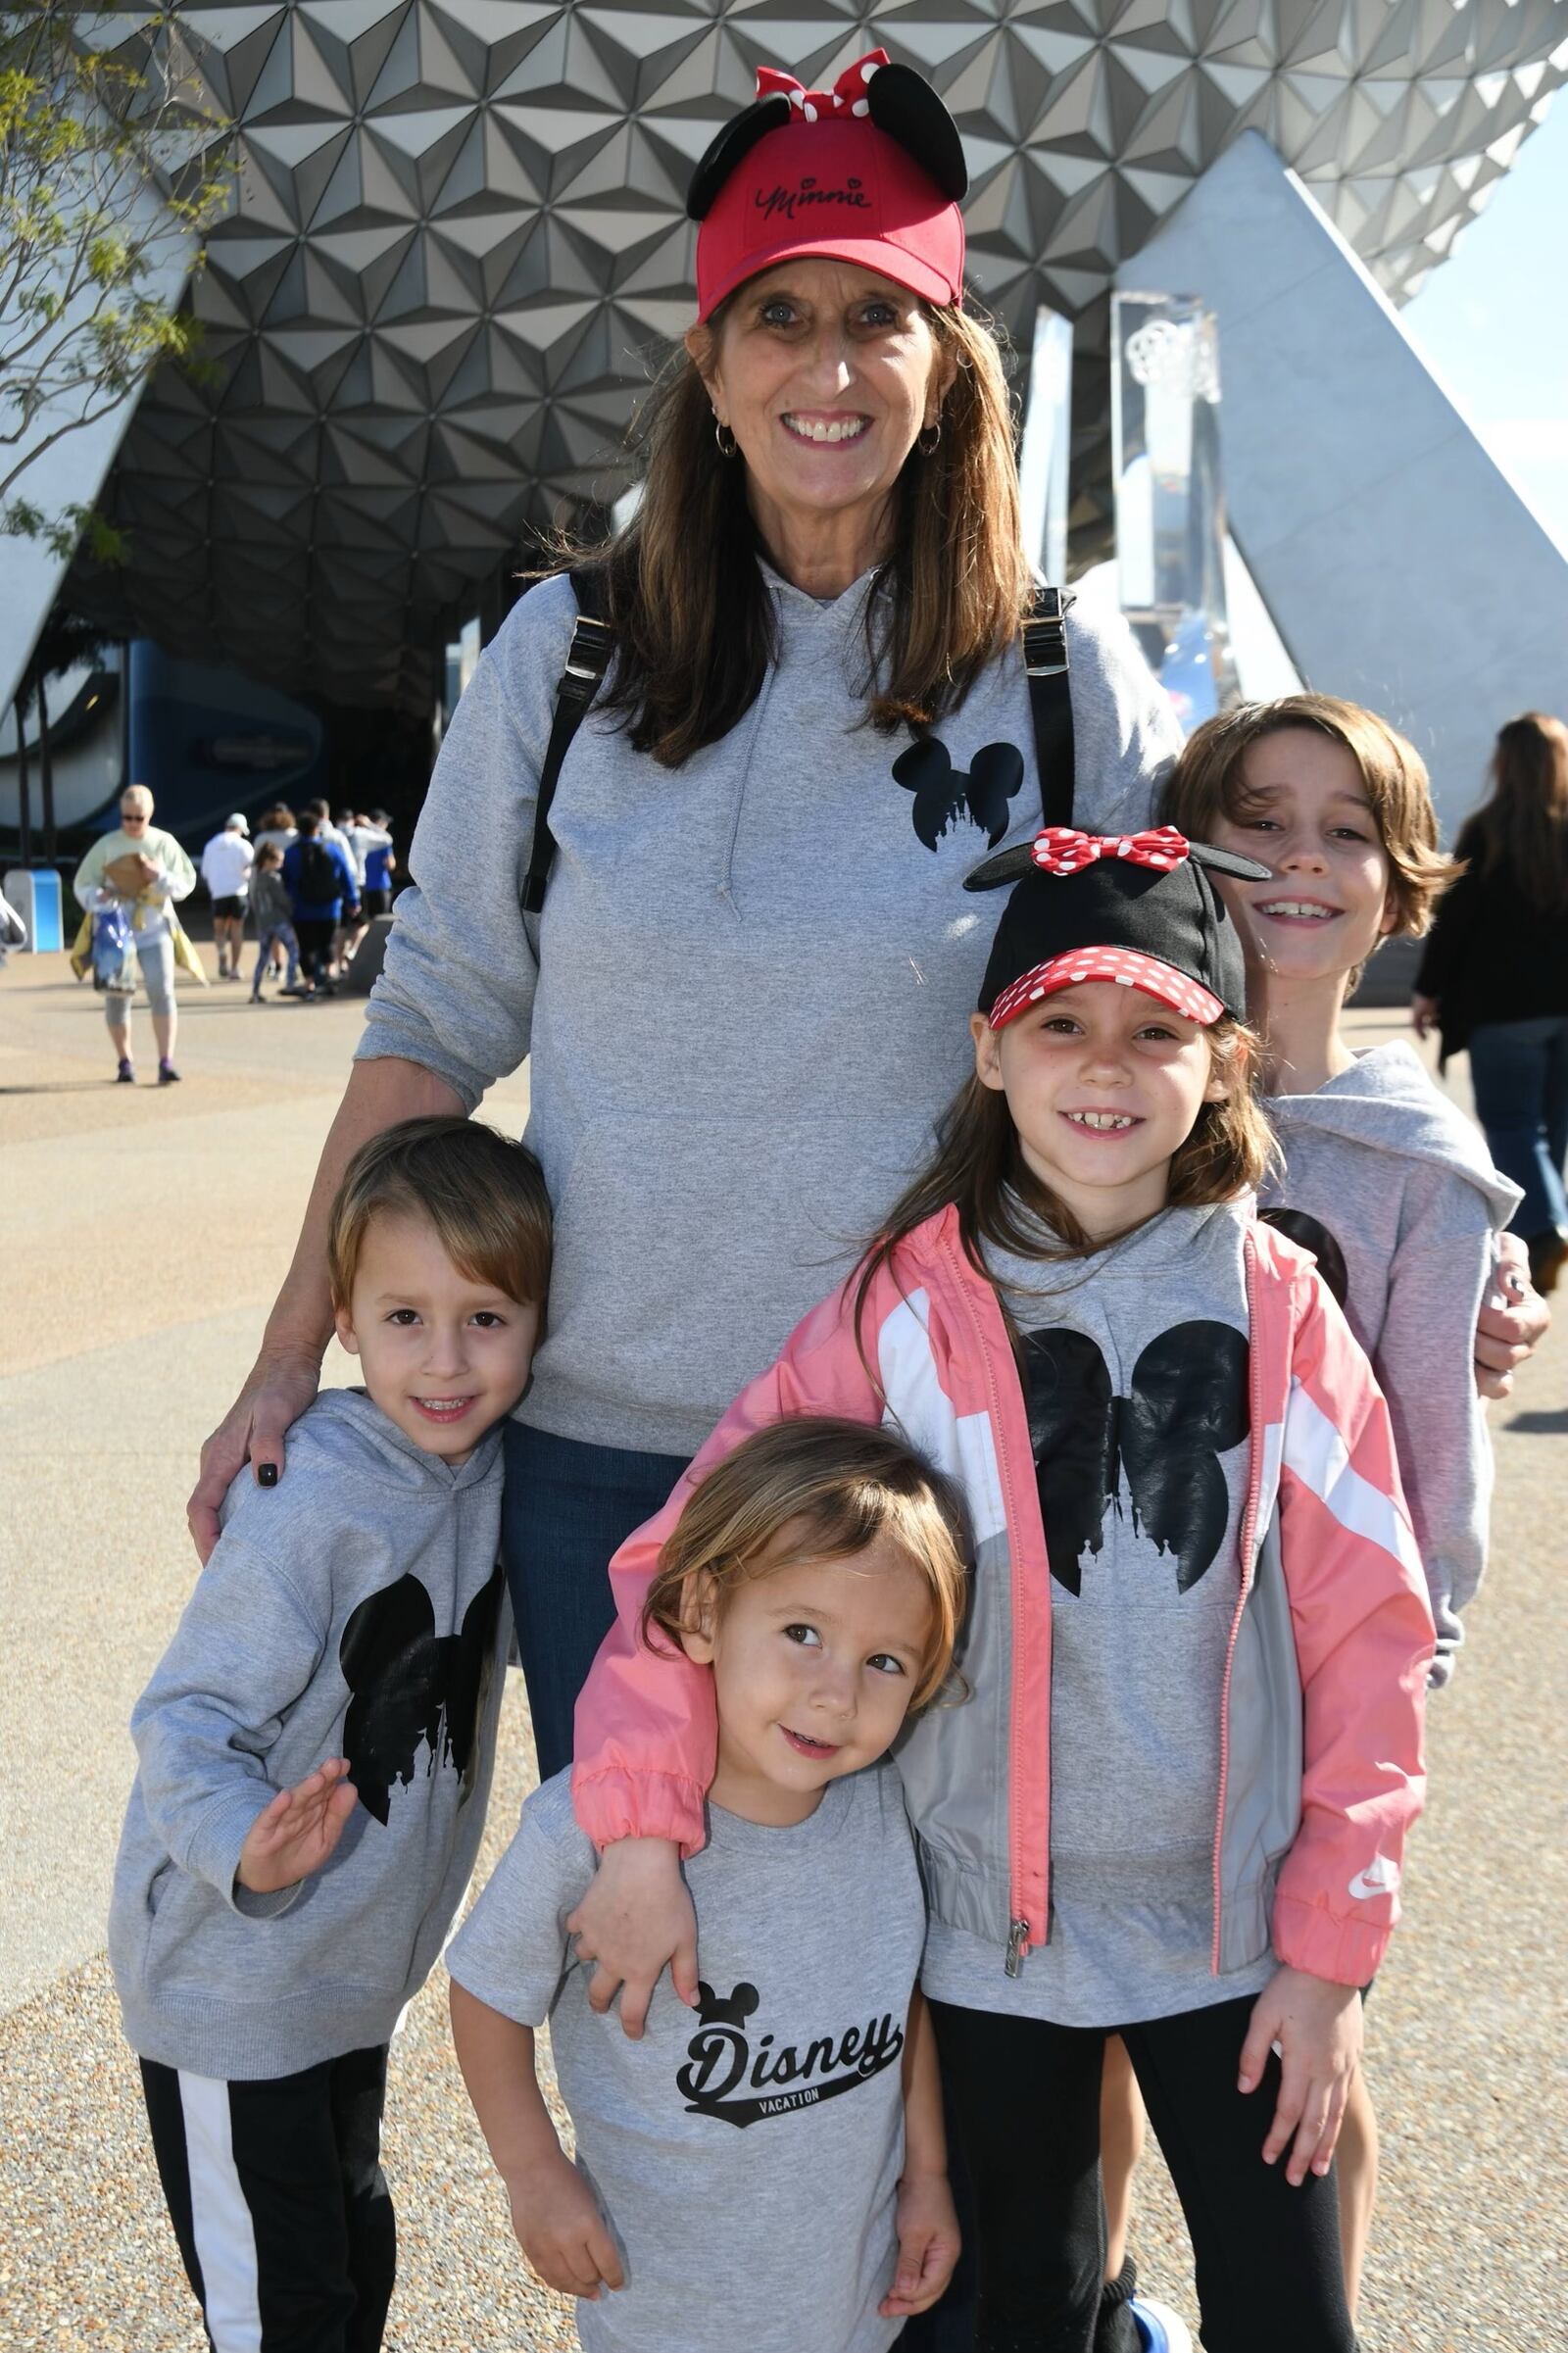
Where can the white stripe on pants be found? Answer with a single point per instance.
(221, 2220)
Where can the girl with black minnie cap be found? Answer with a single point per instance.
(1175, 1801)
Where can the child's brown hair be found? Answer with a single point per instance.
(1208, 781)
(483, 1196)
(268, 853)
(816, 1489)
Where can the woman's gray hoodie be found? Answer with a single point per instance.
(748, 995)
(356, 1610)
(1405, 1207)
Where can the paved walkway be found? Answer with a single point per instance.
(145, 1233)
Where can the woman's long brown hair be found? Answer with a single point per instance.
(693, 617)
(1523, 829)
(979, 1168)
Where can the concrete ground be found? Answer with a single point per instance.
(145, 1233)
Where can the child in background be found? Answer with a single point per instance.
(315, 1752)
(274, 919)
(1176, 1801)
(1383, 1178)
(771, 2175)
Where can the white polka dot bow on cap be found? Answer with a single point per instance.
(1060, 850)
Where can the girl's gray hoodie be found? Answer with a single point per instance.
(1405, 1208)
(356, 1610)
(748, 995)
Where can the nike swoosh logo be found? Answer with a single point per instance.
(1379, 1877)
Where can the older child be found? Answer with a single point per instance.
(1176, 1801)
(771, 2174)
(315, 1752)
(1382, 1177)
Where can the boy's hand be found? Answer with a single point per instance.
(1317, 2028)
(561, 2230)
(928, 2245)
(636, 1916)
(298, 1830)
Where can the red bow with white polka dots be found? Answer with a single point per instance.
(1060, 849)
(848, 94)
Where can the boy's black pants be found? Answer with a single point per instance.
(1026, 2098)
(279, 2204)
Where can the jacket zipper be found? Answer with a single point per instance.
(1019, 1928)
(1254, 1482)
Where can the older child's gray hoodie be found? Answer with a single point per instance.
(1393, 1188)
(358, 1610)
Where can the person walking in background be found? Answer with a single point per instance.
(319, 877)
(363, 840)
(277, 826)
(1494, 976)
(380, 863)
(145, 867)
(274, 919)
(227, 863)
(12, 930)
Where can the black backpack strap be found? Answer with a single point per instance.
(593, 643)
(1044, 658)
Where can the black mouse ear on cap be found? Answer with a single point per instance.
(1228, 861)
(1006, 867)
(731, 147)
(904, 104)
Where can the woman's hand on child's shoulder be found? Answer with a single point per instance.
(635, 1918)
(928, 2245)
(561, 2230)
(1315, 2026)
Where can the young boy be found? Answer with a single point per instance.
(315, 1750)
(1382, 1177)
(274, 919)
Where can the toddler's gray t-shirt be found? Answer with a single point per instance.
(746, 2155)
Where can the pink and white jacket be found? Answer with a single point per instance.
(1320, 1759)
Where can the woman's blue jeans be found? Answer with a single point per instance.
(568, 1508)
(1519, 1070)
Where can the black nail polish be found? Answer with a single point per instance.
(266, 1474)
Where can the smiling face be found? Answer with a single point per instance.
(1104, 1086)
(814, 1665)
(825, 374)
(135, 810)
(1304, 812)
(443, 1356)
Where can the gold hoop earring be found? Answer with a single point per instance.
(726, 447)
(929, 441)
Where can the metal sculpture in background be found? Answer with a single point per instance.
(1170, 504)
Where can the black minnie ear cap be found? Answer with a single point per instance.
(1149, 920)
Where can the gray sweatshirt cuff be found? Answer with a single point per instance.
(213, 1851)
(390, 1033)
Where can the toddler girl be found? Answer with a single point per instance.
(1175, 1802)
(770, 2173)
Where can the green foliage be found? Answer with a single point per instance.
(112, 168)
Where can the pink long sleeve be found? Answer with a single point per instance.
(646, 1734)
(1365, 1640)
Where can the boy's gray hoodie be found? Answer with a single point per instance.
(1403, 1207)
(749, 994)
(358, 1610)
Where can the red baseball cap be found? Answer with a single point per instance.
(870, 172)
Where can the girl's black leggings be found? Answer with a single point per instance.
(1026, 2097)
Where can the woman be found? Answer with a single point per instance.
(146, 869)
(1494, 976)
(738, 880)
